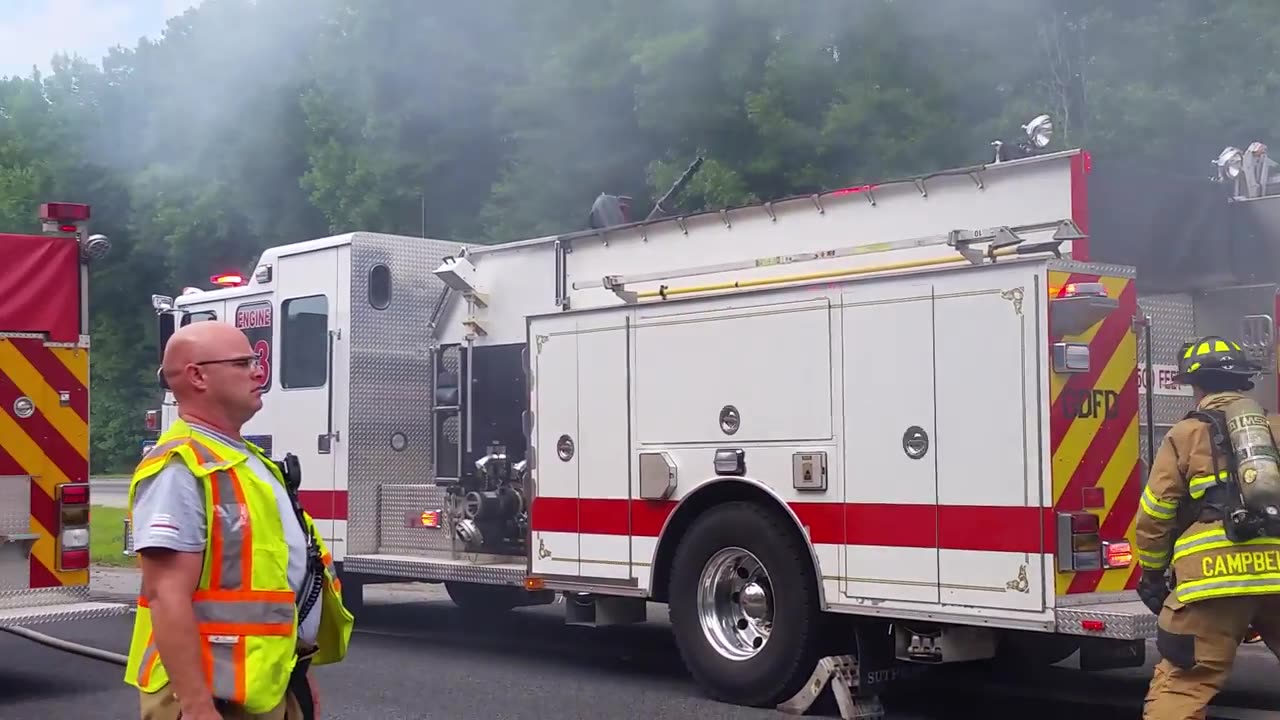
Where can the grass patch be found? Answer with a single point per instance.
(106, 537)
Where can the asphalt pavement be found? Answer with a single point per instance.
(111, 491)
(414, 656)
(416, 661)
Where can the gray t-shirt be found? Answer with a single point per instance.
(168, 512)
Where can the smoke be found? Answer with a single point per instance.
(497, 119)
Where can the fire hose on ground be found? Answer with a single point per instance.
(75, 648)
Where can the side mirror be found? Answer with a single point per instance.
(166, 324)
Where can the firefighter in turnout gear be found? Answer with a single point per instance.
(238, 593)
(1208, 540)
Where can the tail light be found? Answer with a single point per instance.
(73, 526)
(1116, 554)
(1081, 547)
(1083, 289)
(1076, 307)
(153, 420)
(1079, 542)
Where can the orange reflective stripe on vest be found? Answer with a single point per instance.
(160, 453)
(149, 659)
(241, 612)
(230, 609)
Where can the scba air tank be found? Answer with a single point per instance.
(1257, 457)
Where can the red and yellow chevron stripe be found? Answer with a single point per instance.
(52, 445)
(1093, 425)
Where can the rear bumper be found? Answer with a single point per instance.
(1114, 621)
(60, 612)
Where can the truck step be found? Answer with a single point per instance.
(944, 645)
(587, 610)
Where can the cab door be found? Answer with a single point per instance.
(298, 411)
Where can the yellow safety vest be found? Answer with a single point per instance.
(245, 610)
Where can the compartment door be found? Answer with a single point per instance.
(891, 491)
(604, 447)
(553, 518)
(299, 407)
(991, 526)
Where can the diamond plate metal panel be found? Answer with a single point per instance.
(1172, 323)
(15, 519)
(64, 612)
(1222, 312)
(390, 375)
(15, 504)
(15, 567)
(403, 503)
(1094, 268)
(1124, 621)
(1180, 317)
(447, 570)
(42, 597)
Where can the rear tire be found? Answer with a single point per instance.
(750, 640)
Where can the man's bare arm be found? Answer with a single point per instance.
(170, 535)
(169, 578)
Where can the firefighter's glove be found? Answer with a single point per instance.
(1153, 588)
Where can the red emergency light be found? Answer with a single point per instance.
(64, 213)
(229, 280)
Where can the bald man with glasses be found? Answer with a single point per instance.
(215, 633)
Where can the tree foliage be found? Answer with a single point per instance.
(253, 123)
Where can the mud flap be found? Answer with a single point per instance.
(1103, 654)
(878, 665)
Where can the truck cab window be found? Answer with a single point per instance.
(201, 316)
(304, 340)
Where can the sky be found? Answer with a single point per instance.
(31, 31)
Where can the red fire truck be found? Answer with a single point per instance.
(44, 420)
(918, 405)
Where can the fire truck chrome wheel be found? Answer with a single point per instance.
(735, 603)
(743, 599)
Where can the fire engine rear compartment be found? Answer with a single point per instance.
(948, 363)
(901, 387)
(44, 434)
(951, 536)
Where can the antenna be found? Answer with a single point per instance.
(676, 187)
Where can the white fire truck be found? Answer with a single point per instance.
(909, 410)
(44, 421)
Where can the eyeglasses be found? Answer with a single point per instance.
(250, 362)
